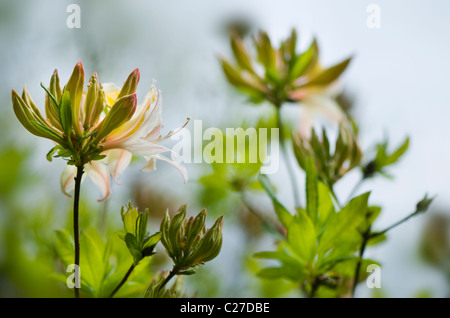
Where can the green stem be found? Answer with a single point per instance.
(76, 228)
(123, 281)
(172, 273)
(334, 196)
(286, 157)
(355, 188)
(393, 225)
(366, 237)
(314, 287)
(266, 223)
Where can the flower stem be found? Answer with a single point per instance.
(76, 228)
(172, 273)
(286, 158)
(123, 281)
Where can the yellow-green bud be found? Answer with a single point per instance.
(130, 85)
(75, 87)
(91, 100)
(122, 110)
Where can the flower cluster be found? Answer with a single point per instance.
(282, 74)
(187, 241)
(99, 129)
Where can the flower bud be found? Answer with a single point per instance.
(65, 114)
(27, 99)
(211, 243)
(51, 109)
(186, 240)
(122, 110)
(99, 105)
(91, 100)
(75, 87)
(130, 85)
(31, 121)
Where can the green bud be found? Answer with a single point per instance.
(130, 85)
(51, 108)
(65, 114)
(266, 53)
(122, 110)
(240, 53)
(164, 228)
(99, 106)
(186, 240)
(211, 243)
(330, 165)
(75, 87)
(91, 100)
(55, 87)
(27, 99)
(248, 84)
(423, 204)
(197, 228)
(31, 121)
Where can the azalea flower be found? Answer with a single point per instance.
(99, 129)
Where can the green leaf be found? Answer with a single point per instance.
(344, 222)
(64, 247)
(377, 240)
(142, 228)
(46, 132)
(52, 151)
(289, 272)
(393, 158)
(133, 247)
(152, 240)
(91, 260)
(304, 62)
(301, 236)
(311, 190)
(325, 206)
(65, 113)
(50, 95)
(283, 214)
(329, 75)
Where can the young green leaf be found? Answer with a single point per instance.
(301, 236)
(345, 221)
(311, 190)
(283, 214)
(305, 61)
(330, 74)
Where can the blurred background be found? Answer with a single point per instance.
(398, 81)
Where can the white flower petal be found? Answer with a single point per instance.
(99, 174)
(181, 169)
(68, 179)
(322, 106)
(150, 165)
(117, 160)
